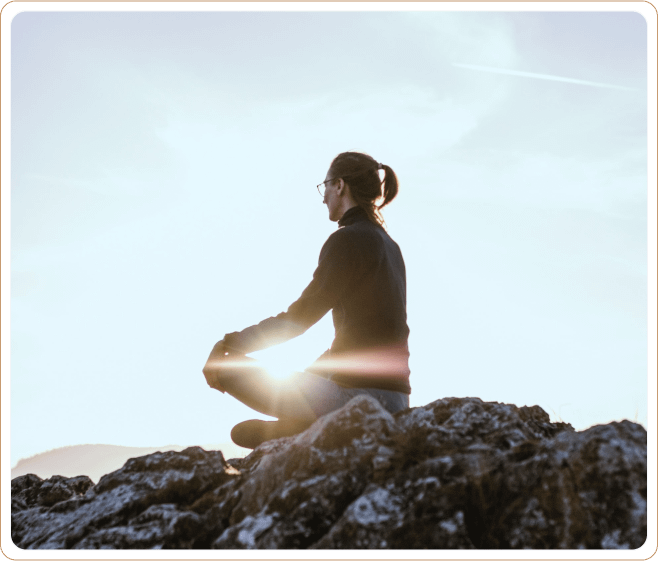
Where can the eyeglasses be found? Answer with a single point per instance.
(322, 187)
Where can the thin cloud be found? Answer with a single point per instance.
(540, 76)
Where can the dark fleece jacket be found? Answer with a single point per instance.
(360, 277)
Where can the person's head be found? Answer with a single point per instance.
(354, 180)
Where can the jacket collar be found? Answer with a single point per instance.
(352, 215)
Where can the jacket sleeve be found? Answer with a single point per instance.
(337, 267)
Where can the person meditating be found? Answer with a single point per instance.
(361, 278)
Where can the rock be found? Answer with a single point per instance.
(29, 490)
(454, 474)
(125, 508)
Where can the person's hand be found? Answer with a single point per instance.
(211, 369)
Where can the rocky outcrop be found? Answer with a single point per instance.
(96, 460)
(457, 473)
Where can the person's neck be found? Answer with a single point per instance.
(346, 204)
(351, 215)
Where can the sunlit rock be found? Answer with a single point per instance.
(454, 474)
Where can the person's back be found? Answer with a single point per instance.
(370, 318)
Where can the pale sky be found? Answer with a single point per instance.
(163, 172)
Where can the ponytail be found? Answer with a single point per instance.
(361, 173)
(390, 190)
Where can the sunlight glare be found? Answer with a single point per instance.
(279, 362)
(278, 369)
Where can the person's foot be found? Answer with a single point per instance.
(250, 434)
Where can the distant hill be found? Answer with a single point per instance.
(96, 460)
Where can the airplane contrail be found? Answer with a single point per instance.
(540, 76)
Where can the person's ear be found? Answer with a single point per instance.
(340, 186)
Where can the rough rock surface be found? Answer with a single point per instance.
(457, 473)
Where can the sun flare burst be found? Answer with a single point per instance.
(278, 369)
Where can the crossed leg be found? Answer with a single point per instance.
(296, 401)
